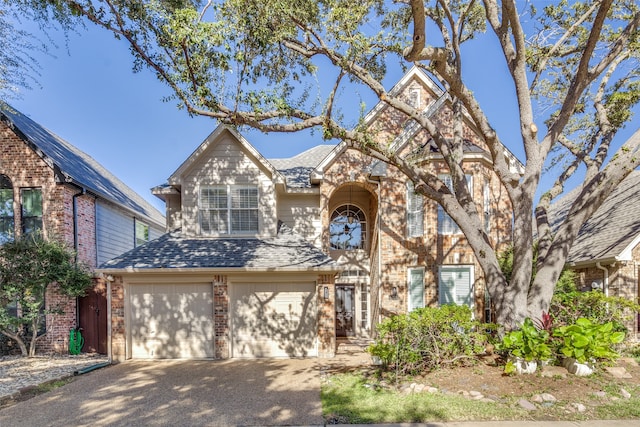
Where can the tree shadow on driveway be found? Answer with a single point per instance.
(180, 393)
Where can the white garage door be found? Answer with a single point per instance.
(171, 321)
(274, 320)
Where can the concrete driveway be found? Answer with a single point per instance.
(181, 393)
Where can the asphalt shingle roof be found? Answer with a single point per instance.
(76, 165)
(297, 169)
(611, 229)
(286, 251)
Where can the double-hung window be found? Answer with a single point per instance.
(415, 212)
(446, 224)
(229, 209)
(31, 210)
(416, 288)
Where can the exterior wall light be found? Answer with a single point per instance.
(394, 293)
(326, 292)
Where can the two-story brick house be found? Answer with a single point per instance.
(47, 185)
(282, 257)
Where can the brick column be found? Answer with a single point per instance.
(326, 316)
(221, 317)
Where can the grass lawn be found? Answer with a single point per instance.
(357, 398)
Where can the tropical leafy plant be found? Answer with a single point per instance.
(587, 341)
(528, 342)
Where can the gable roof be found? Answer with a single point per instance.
(287, 251)
(297, 169)
(71, 165)
(212, 139)
(412, 127)
(614, 229)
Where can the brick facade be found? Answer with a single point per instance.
(26, 169)
(622, 278)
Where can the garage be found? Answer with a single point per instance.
(273, 320)
(171, 321)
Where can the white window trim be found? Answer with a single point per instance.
(486, 202)
(229, 193)
(410, 306)
(471, 270)
(441, 213)
(417, 229)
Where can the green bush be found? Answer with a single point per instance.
(569, 304)
(429, 338)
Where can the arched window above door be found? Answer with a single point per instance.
(6, 209)
(348, 228)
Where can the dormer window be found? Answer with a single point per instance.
(229, 209)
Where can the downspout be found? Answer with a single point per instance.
(109, 278)
(76, 243)
(378, 215)
(605, 282)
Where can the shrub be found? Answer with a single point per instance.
(569, 304)
(587, 341)
(429, 338)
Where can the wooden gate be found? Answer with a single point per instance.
(92, 318)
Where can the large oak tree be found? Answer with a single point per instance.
(289, 65)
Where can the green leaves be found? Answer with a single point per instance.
(28, 266)
(528, 343)
(586, 341)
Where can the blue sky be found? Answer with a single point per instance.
(90, 96)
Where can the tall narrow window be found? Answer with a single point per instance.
(416, 288)
(141, 232)
(486, 206)
(446, 224)
(6, 210)
(31, 210)
(415, 212)
(229, 209)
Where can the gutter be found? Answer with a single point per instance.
(605, 282)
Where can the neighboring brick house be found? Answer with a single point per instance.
(606, 253)
(49, 186)
(283, 257)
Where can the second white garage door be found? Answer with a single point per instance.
(171, 321)
(274, 319)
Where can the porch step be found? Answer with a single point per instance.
(350, 345)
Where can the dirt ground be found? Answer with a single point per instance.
(488, 378)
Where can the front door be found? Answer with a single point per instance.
(345, 310)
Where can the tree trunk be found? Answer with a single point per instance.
(34, 337)
(542, 289)
(18, 340)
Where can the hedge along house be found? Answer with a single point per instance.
(606, 253)
(283, 257)
(47, 185)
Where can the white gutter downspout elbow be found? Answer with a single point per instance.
(605, 282)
